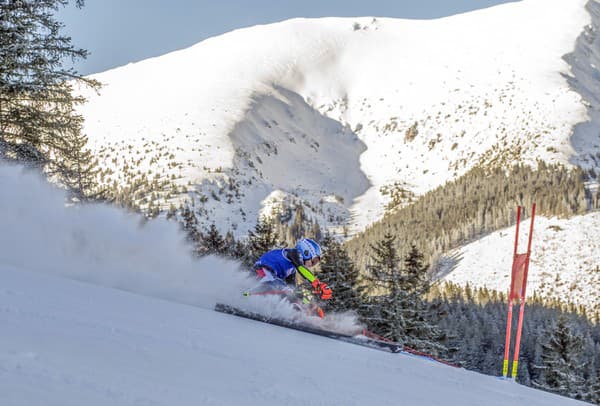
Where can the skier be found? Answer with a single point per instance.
(277, 269)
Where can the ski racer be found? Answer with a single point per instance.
(277, 269)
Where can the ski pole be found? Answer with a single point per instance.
(266, 292)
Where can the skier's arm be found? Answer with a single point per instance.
(306, 273)
(319, 288)
(294, 257)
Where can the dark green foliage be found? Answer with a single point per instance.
(394, 295)
(561, 367)
(236, 249)
(421, 333)
(301, 226)
(417, 282)
(78, 169)
(480, 202)
(38, 122)
(593, 386)
(213, 242)
(298, 229)
(262, 239)
(474, 322)
(384, 302)
(397, 303)
(189, 224)
(339, 272)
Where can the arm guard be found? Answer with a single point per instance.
(306, 273)
(294, 257)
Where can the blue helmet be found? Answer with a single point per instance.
(308, 249)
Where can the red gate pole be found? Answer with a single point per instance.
(510, 305)
(515, 363)
(507, 342)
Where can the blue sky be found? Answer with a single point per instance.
(117, 32)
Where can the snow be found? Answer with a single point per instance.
(565, 254)
(98, 306)
(70, 338)
(266, 106)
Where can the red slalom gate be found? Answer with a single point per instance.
(518, 285)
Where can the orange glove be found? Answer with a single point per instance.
(320, 288)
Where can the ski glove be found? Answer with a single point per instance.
(320, 288)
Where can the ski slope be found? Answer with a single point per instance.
(65, 342)
(98, 307)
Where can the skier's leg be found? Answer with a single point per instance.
(269, 284)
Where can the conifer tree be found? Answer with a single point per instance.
(592, 385)
(421, 332)
(234, 248)
(474, 329)
(38, 122)
(189, 224)
(481, 201)
(260, 240)
(338, 270)
(417, 281)
(77, 169)
(298, 228)
(561, 368)
(395, 308)
(213, 242)
(385, 311)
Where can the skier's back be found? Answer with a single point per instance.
(277, 268)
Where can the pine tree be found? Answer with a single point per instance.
(476, 340)
(213, 242)
(338, 270)
(298, 229)
(189, 224)
(262, 239)
(77, 169)
(483, 200)
(235, 249)
(561, 368)
(421, 333)
(385, 312)
(417, 282)
(593, 388)
(38, 122)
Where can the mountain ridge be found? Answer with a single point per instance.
(374, 78)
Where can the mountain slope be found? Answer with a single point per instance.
(69, 343)
(113, 310)
(326, 112)
(565, 260)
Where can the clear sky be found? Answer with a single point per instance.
(117, 32)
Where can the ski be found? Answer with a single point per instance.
(358, 340)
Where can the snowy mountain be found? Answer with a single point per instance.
(565, 260)
(109, 310)
(333, 112)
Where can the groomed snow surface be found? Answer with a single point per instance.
(137, 327)
(69, 343)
